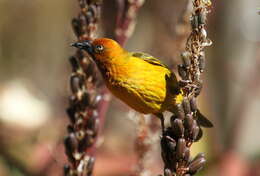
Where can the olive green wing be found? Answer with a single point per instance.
(148, 58)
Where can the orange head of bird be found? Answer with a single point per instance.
(102, 50)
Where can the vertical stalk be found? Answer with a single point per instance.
(86, 98)
(186, 123)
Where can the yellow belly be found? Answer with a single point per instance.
(142, 86)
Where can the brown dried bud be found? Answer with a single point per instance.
(74, 63)
(194, 132)
(66, 170)
(167, 172)
(196, 164)
(202, 62)
(76, 83)
(185, 56)
(76, 27)
(71, 113)
(202, 17)
(193, 104)
(182, 72)
(194, 22)
(188, 122)
(71, 144)
(177, 127)
(85, 100)
(180, 111)
(186, 154)
(181, 147)
(186, 105)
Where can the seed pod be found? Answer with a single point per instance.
(186, 105)
(66, 170)
(73, 101)
(186, 154)
(95, 100)
(202, 17)
(76, 27)
(85, 142)
(70, 129)
(193, 104)
(194, 132)
(74, 63)
(199, 135)
(85, 99)
(194, 22)
(167, 172)
(71, 143)
(185, 56)
(198, 89)
(91, 162)
(180, 111)
(188, 122)
(196, 164)
(177, 127)
(168, 144)
(182, 72)
(202, 62)
(181, 147)
(71, 113)
(76, 83)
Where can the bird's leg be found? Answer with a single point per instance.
(160, 116)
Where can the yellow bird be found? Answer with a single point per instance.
(138, 79)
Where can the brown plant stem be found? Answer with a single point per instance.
(186, 122)
(86, 99)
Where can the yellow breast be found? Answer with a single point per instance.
(139, 84)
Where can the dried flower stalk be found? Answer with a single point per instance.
(126, 19)
(185, 127)
(83, 109)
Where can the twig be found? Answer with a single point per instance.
(185, 127)
(84, 103)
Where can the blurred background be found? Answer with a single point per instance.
(34, 71)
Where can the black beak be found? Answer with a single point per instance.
(85, 45)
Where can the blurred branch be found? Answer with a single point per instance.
(126, 19)
(85, 103)
(185, 127)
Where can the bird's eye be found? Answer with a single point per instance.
(98, 49)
